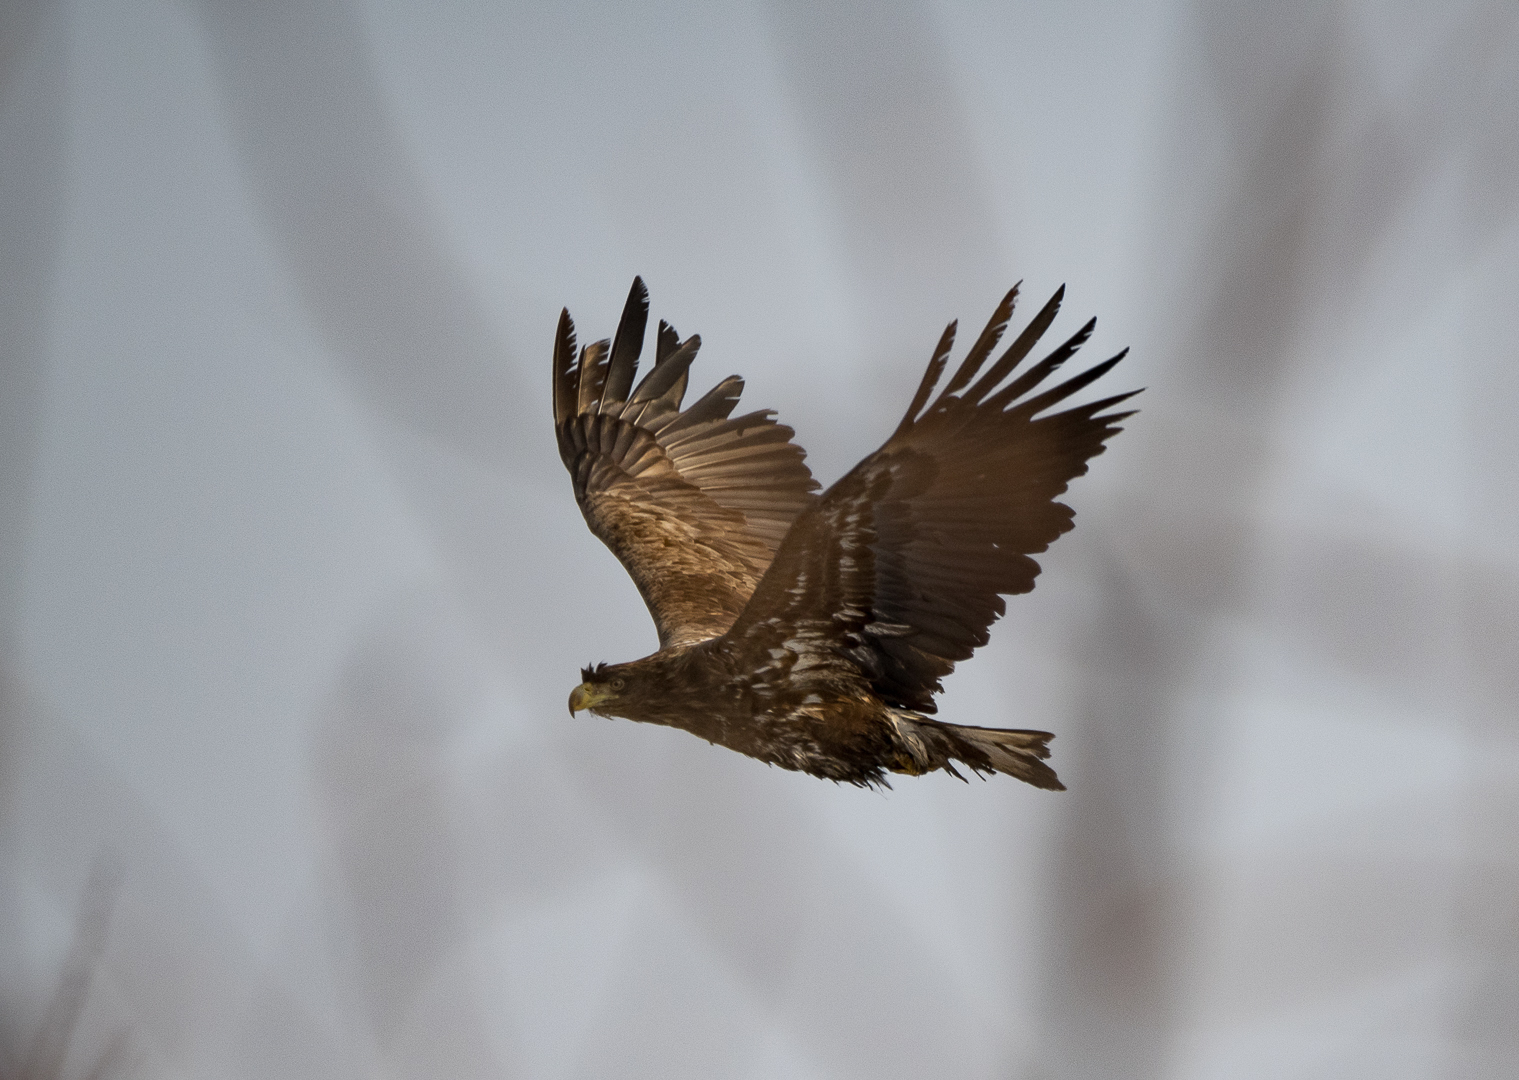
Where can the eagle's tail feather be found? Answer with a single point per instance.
(1016, 753)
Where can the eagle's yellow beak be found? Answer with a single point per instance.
(586, 696)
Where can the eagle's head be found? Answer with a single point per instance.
(599, 689)
(666, 688)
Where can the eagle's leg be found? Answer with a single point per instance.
(906, 764)
(912, 755)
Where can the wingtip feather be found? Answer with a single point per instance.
(564, 368)
(1019, 349)
(936, 366)
(667, 341)
(984, 344)
(622, 368)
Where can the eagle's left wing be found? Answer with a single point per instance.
(693, 502)
(901, 566)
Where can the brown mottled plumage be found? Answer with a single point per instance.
(808, 631)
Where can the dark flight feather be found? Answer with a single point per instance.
(985, 343)
(931, 376)
(628, 344)
(566, 389)
(1019, 348)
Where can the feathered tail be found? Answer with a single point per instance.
(932, 744)
(1016, 753)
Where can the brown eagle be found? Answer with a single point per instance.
(811, 631)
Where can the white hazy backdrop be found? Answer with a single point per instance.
(294, 587)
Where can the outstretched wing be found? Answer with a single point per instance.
(693, 502)
(902, 565)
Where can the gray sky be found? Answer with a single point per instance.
(293, 586)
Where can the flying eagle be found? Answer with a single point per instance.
(811, 631)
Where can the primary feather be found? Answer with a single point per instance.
(813, 632)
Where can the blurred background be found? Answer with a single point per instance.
(293, 587)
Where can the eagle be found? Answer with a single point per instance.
(812, 631)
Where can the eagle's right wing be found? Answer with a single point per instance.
(692, 502)
(901, 566)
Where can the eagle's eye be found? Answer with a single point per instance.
(619, 682)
